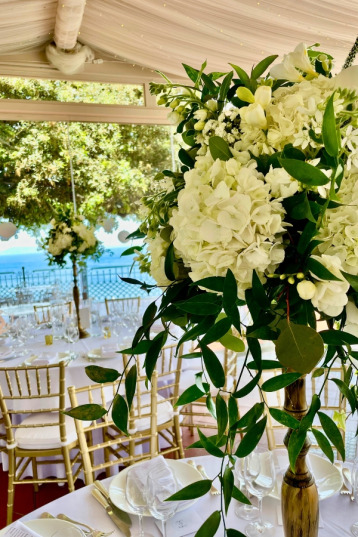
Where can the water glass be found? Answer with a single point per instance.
(260, 478)
(160, 485)
(244, 511)
(354, 528)
(136, 498)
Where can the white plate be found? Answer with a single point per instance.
(328, 478)
(96, 354)
(51, 527)
(182, 470)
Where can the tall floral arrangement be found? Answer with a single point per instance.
(262, 213)
(70, 236)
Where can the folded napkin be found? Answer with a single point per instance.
(157, 466)
(7, 354)
(17, 529)
(42, 359)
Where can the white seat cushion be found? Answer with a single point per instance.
(164, 412)
(44, 437)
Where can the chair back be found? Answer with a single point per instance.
(32, 390)
(122, 305)
(43, 314)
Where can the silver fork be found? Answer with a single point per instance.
(213, 490)
(89, 531)
(344, 489)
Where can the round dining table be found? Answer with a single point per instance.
(337, 512)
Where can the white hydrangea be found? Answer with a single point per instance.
(158, 248)
(226, 218)
(331, 295)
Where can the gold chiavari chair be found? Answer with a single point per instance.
(331, 400)
(196, 414)
(43, 313)
(122, 305)
(103, 436)
(2, 435)
(45, 435)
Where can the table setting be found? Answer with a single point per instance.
(103, 508)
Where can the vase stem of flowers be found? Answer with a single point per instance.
(76, 298)
(299, 496)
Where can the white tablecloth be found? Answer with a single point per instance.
(338, 513)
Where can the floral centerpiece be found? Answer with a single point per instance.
(69, 236)
(263, 213)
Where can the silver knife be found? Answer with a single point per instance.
(115, 519)
(117, 511)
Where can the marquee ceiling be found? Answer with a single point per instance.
(135, 37)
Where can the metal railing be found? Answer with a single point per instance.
(48, 284)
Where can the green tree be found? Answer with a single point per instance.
(113, 164)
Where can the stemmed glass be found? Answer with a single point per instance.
(259, 474)
(161, 485)
(247, 512)
(136, 498)
(354, 527)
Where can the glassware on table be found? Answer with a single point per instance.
(244, 511)
(354, 476)
(137, 498)
(260, 477)
(160, 485)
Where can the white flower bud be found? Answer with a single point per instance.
(212, 105)
(254, 115)
(263, 96)
(199, 125)
(200, 114)
(306, 289)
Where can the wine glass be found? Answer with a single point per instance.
(136, 498)
(247, 512)
(160, 485)
(259, 474)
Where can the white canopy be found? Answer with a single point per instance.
(161, 34)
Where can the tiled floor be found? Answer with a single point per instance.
(26, 500)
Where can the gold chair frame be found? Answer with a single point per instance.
(131, 304)
(43, 313)
(24, 385)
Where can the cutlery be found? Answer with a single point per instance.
(121, 514)
(89, 531)
(115, 519)
(347, 475)
(213, 490)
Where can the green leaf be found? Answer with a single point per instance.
(280, 381)
(219, 148)
(130, 384)
(230, 291)
(298, 207)
(265, 364)
(258, 291)
(248, 387)
(234, 533)
(214, 283)
(131, 250)
(329, 129)
(203, 66)
(210, 85)
(244, 77)
(169, 263)
(295, 444)
(324, 444)
(210, 446)
(344, 389)
(217, 331)
(192, 491)
(191, 72)
(149, 314)
(141, 348)
(120, 413)
(89, 412)
(307, 420)
(185, 158)
(210, 405)
(304, 172)
(251, 416)
(232, 343)
(193, 393)
(352, 280)
(233, 411)
(239, 496)
(255, 351)
(320, 271)
(199, 380)
(191, 355)
(101, 374)
(332, 432)
(224, 88)
(285, 419)
(213, 367)
(222, 415)
(251, 438)
(197, 330)
(299, 347)
(228, 485)
(318, 372)
(199, 304)
(261, 67)
(152, 354)
(210, 526)
(338, 337)
(212, 438)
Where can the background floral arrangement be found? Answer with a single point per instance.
(69, 235)
(263, 212)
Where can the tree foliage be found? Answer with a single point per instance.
(113, 164)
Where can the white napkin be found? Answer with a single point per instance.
(18, 529)
(41, 359)
(158, 465)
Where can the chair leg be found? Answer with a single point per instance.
(68, 468)
(178, 440)
(10, 487)
(34, 473)
(191, 419)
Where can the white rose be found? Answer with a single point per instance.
(306, 289)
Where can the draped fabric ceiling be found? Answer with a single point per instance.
(161, 34)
